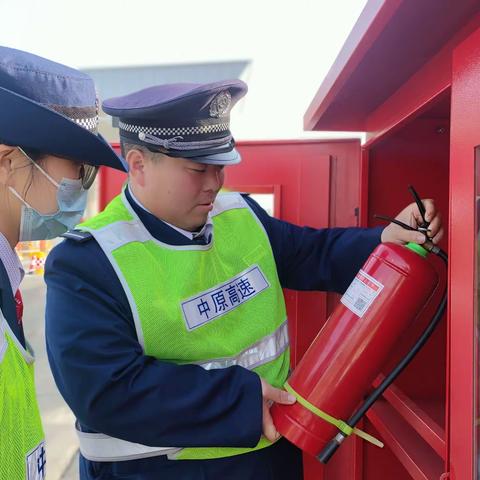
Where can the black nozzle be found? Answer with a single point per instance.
(330, 448)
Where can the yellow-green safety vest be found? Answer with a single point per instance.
(214, 305)
(22, 445)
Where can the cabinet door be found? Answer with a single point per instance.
(314, 183)
(463, 284)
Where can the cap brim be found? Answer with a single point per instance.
(226, 158)
(29, 124)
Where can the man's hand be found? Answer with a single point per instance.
(272, 395)
(411, 216)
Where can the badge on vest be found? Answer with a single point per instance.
(36, 463)
(221, 299)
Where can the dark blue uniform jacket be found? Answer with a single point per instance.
(113, 388)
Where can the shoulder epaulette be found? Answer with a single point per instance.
(77, 235)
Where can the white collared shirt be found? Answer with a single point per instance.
(206, 230)
(12, 263)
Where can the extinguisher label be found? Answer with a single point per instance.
(361, 293)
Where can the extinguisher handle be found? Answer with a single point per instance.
(397, 222)
(421, 227)
(421, 207)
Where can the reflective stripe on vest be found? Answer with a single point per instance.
(3, 341)
(6, 330)
(264, 351)
(98, 447)
(239, 253)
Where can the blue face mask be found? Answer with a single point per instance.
(71, 200)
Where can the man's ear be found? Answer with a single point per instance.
(136, 166)
(6, 167)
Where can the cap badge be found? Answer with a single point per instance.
(220, 104)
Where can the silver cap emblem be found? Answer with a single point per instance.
(220, 105)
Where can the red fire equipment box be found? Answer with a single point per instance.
(409, 75)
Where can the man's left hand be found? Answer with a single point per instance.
(411, 216)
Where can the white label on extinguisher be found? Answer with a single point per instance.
(361, 293)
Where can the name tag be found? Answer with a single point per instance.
(36, 463)
(221, 299)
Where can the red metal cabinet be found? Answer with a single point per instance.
(110, 182)
(409, 75)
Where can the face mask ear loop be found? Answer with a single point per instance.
(35, 164)
(16, 194)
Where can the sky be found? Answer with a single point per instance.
(290, 44)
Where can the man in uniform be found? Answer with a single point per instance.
(166, 323)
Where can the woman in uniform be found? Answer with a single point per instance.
(49, 156)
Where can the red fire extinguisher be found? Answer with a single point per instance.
(349, 352)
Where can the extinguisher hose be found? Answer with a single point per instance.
(331, 447)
